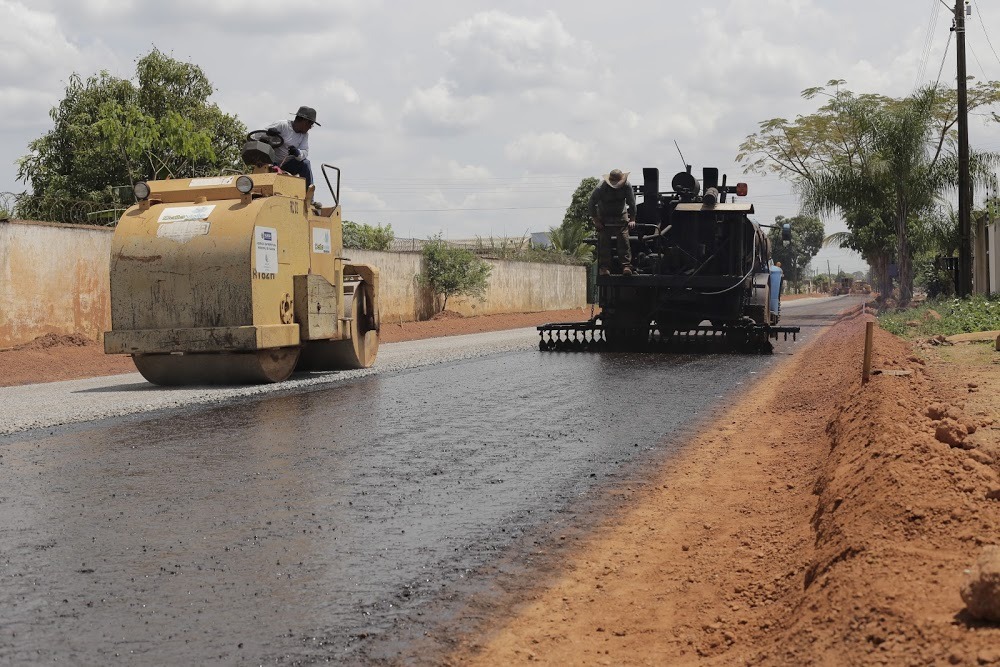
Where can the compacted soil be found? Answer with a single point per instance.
(819, 521)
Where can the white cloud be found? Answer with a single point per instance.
(453, 170)
(477, 94)
(345, 109)
(436, 110)
(548, 151)
(362, 201)
(34, 47)
(494, 52)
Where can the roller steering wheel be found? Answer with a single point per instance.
(272, 140)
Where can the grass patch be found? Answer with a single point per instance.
(976, 313)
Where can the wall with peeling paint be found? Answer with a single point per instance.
(515, 287)
(54, 279)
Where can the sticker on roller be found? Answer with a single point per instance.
(184, 213)
(183, 230)
(266, 244)
(209, 182)
(321, 241)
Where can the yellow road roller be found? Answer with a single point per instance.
(239, 279)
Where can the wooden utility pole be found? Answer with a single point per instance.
(866, 365)
(964, 287)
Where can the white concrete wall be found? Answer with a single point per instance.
(54, 279)
(515, 287)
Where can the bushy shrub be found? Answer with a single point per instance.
(976, 313)
(453, 271)
(937, 282)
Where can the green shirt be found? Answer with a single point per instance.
(608, 203)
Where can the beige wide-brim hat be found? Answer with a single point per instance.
(607, 179)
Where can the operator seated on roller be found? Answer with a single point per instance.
(293, 155)
(612, 208)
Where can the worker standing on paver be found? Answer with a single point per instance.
(612, 208)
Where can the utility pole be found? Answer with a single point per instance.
(964, 287)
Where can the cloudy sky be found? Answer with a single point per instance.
(480, 118)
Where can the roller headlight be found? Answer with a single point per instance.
(141, 190)
(244, 184)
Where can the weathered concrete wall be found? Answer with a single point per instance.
(54, 279)
(515, 287)
(401, 299)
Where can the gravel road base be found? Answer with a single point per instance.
(52, 404)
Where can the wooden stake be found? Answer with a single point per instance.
(866, 369)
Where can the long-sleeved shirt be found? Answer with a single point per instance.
(292, 138)
(608, 203)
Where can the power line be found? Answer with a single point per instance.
(943, 57)
(987, 35)
(928, 41)
(453, 210)
(982, 70)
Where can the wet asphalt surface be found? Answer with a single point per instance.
(351, 524)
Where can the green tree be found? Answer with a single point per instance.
(807, 239)
(568, 238)
(450, 271)
(110, 132)
(577, 225)
(578, 213)
(366, 237)
(873, 159)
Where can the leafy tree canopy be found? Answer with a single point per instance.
(366, 237)
(109, 133)
(874, 160)
(577, 225)
(835, 134)
(452, 271)
(807, 239)
(568, 239)
(577, 214)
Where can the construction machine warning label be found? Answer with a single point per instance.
(182, 213)
(207, 182)
(183, 230)
(266, 245)
(321, 240)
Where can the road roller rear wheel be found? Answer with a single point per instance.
(262, 366)
(358, 352)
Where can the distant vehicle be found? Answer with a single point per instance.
(841, 286)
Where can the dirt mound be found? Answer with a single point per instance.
(903, 509)
(51, 340)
